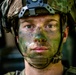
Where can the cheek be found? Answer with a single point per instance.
(55, 40)
(24, 40)
(55, 43)
(26, 36)
(22, 45)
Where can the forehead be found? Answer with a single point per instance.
(54, 17)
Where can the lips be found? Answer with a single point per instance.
(40, 49)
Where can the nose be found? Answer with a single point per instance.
(39, 37)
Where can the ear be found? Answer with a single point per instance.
(16, 39)
(65, 35)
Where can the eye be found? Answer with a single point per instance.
(29, 26)
(51, 27)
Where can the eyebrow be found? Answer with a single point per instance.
(27, 20)
(31, 21)
(49, 20)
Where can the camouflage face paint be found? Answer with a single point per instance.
(39, 38)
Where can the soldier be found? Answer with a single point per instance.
(40, 28)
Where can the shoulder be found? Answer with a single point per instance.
(70, 71)
(15, 73)
(10, 73)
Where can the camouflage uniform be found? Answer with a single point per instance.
(70, 71)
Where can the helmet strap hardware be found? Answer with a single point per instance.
(32, 5)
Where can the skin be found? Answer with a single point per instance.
(40, 32)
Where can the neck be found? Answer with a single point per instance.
(51, 69)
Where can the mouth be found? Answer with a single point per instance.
(40, 49)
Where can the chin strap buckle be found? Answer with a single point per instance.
(57, 58)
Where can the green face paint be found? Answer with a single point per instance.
(39, 39)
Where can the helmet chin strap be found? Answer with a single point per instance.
(46, 60)
(38, 62)
(39, 65)
(31, 6)
(54, 59)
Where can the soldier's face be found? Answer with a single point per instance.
(39, 37)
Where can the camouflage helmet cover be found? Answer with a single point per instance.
(16, 5)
